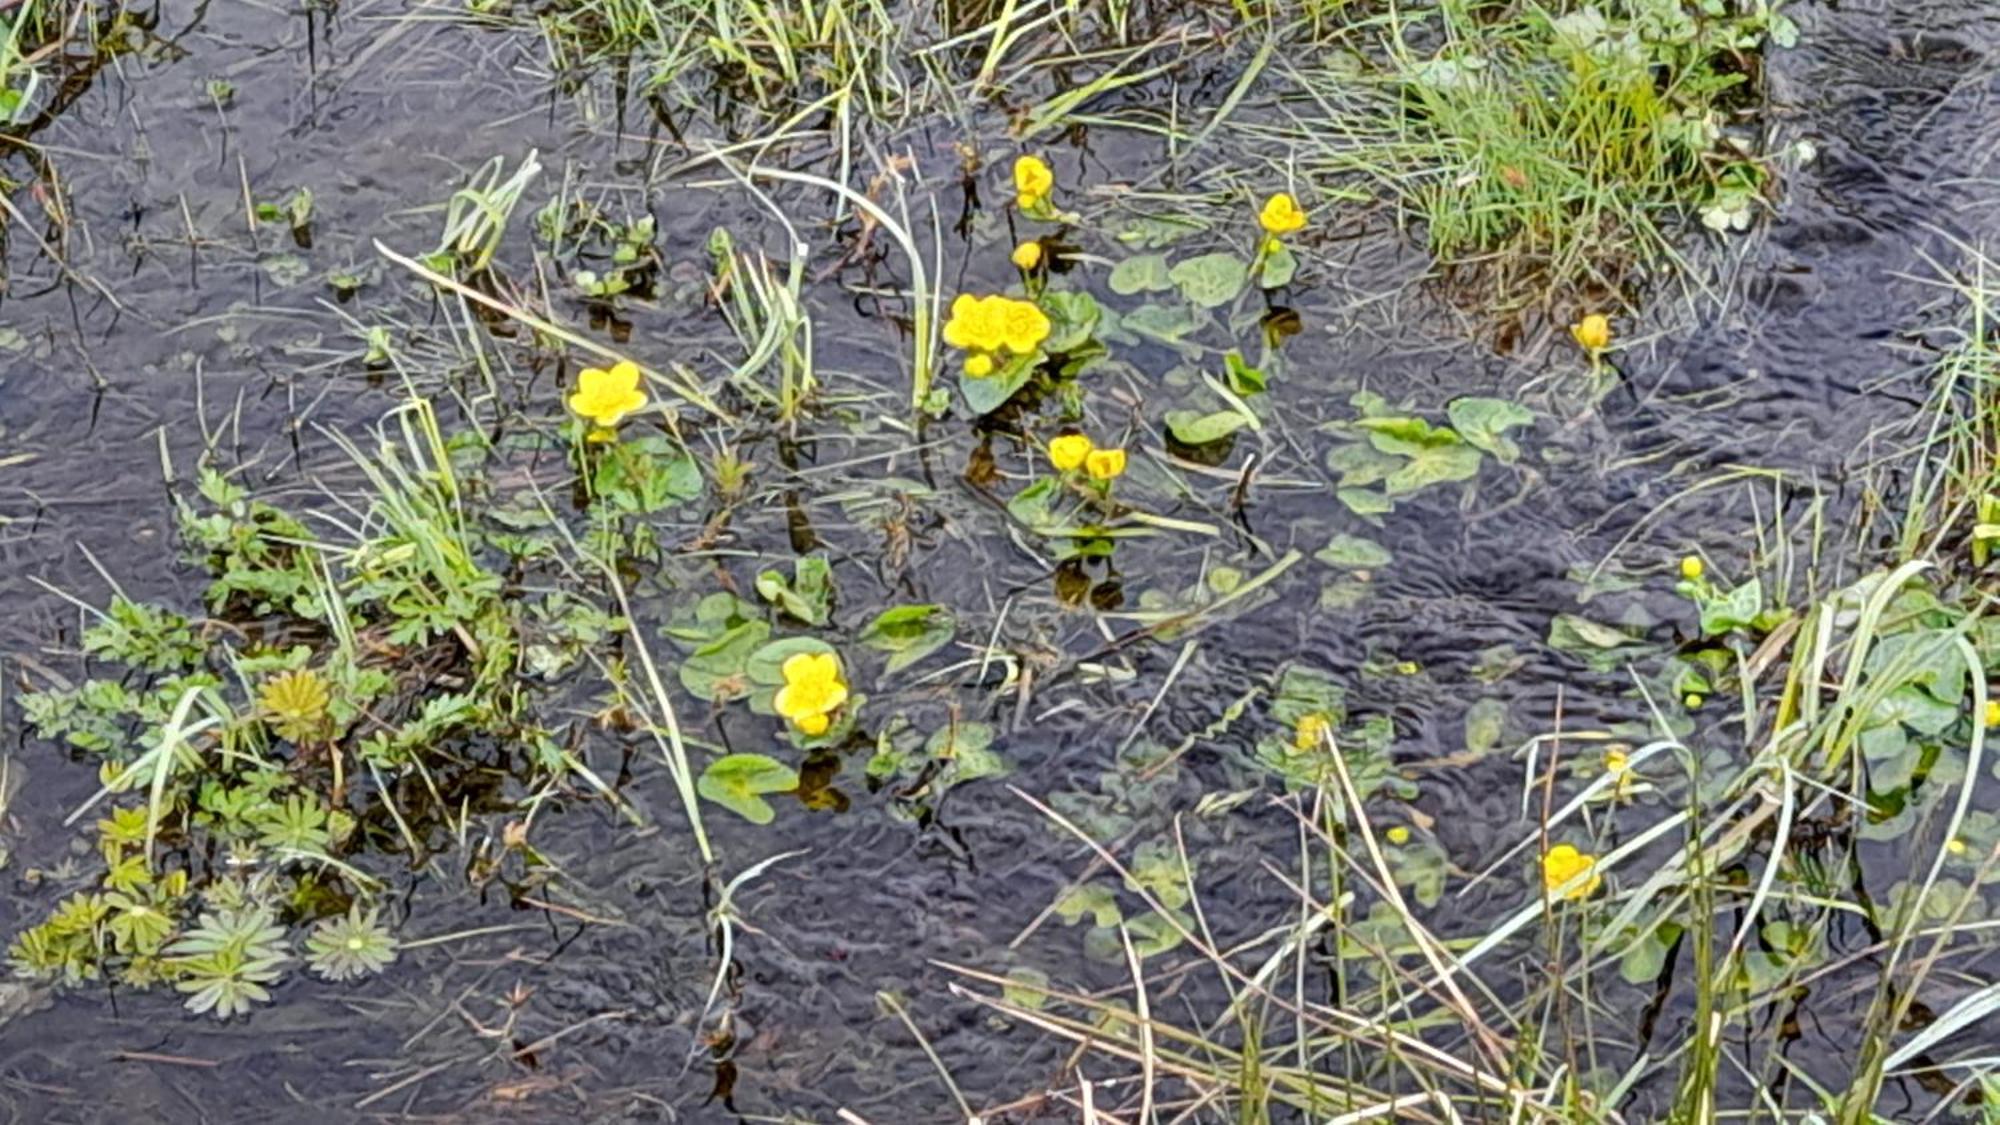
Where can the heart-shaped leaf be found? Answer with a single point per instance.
(908, 633)
(738, 783)
(1210, 280)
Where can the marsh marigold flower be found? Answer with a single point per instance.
(812, 692)
(1028, 255)
(606, 397)
(1692, 567)
(979, 365)
(1993, 713)
(1592, 333)
(1023, 325)
(1033, 180)
(1281, 214)
(1563, 863)
(1398, 835)
(1104, 464)
(1068, 452)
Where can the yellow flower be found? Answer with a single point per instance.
(1956, 846)
(1993, 713)
(1022, 325)
(1032, 180)
(1028, 255)
(1692, 567)
(1398, 835)
(1617, 762)
(813, 690)
(295, 703)
(1592, 333)
(606, 397)
(1104, 464)
(979, 365)
(1309, 730)
(1563, 863)
(1068, 452)
(1692, 700)
(1281, 214)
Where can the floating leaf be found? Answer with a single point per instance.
(1485, 722)
(1434, 465)
(1484, 423)
(1159, 322)
(1146, 273)
(965, 750)
(738, 782)
(1073, 319)
(1354, 553)
(1097, 900)
(908, 633)
(1365, 502)
(985, 395)
(1191, 427)
(718, 670)
(1210, 280)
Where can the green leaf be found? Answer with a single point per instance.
(1434, 465)
(1146, 273)
(1191, 427)
(1073, 320)
(1484, 422)
(1279, 268)
(1485, 723)
(1097, 900)
(809, 596)
(718, 670)
(965, 751)
(1159, 322)
(1365, 502)
(738, 782)
(1150, 232)
(646, 474)
(1354, 553)
(1733, 610)
(1034, 506)
(1210, 280)
(984, 396)
(1243, 378)
(1406, 436)
(908, 633)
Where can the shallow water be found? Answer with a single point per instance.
(1803, 352)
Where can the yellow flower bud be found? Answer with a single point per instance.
(1993, 713)
(979, 365)
(1592, 333)
(1104, 464)
(1028, 255)
(1398, 835)
(1692, 567)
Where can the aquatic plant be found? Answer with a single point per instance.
(604, 397)
(813, 690)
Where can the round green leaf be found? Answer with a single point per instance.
(1210, 280)
(738, 782)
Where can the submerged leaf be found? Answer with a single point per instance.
(1484, 422)
(1210, 280)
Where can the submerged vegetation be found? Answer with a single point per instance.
(864, 443)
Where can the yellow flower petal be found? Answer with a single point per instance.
(1563, 863)
(813, 687)
(979, 365)
(812, 724)
(1104, 464)
(1028, 255)
(1692, 568)
(1281, 214)
(1067, 453)
(1398, 835)
(1592, 333)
